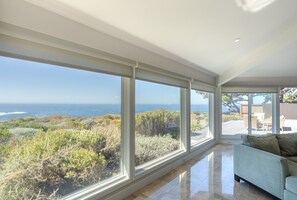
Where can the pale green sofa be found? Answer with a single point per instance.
(269, 163)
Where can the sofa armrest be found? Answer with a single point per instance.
(263, 169)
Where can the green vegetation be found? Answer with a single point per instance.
(46, 158)
(150, 148)
(158, 123)
(229, 117)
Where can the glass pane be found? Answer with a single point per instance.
(288, 110)
(157, 121)
(60, 129)
(199, 116)
(261, 119)
(234, 113)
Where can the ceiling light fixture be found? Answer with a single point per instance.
(237, 40)
(253, 5)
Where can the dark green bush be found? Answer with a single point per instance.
(4, 134)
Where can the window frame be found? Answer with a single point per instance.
(211, 124)
(248, 91)
(148, 167)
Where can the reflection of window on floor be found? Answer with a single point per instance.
(200, 116)
(288, 110)
(246, 113)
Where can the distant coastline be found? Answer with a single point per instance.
(10, 111)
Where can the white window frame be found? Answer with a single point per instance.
(211, 104)
(249, 91)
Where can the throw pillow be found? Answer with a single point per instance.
(267, 143)
(287, 144)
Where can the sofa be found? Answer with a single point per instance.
(269, 162)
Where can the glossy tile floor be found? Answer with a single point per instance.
(210, 176)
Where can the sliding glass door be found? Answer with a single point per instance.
(246, 113)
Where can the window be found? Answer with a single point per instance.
(261, 113)
(157, 121)
(288, 110)
(60, 129)
(246, 113)
(201, 103)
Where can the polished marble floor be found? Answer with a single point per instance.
(209, 176)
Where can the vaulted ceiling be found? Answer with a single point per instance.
(201, 34)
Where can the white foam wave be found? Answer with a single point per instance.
(11, 113)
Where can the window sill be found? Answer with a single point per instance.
(98, 190)
(150, 166)
(201, 142)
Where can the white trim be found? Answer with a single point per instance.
(151, 166)
(185, 114)
(218, 114)
(197, 145)
(128, 120)
(147, 74)
(28, 50)
(250, 103)
(248, 89)
(197, 85)
(275, 113)
(98, 190)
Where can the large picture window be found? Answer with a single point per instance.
(200, 116)
(157, 121)
(60, 129)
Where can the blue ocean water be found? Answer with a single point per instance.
(10, 111)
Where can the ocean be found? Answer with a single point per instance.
(10, 111)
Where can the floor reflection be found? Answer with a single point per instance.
(210, 176)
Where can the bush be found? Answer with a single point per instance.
(25, 132)
(150, 148)
(82, 165)
(229, 117)
(4, 135)
(51, 164)
(156, 123)
(23, 124)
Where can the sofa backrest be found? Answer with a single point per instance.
(279, 144)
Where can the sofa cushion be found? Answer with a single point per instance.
(267, 142)
(292, 166)
(291, 183)
(292, 158)
(287, 144)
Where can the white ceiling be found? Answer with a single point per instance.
(197, 33)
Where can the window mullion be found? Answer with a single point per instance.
(250, 99)
(128, 121)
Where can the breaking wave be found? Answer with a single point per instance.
(11, 113)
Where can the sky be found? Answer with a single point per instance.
(32, 82)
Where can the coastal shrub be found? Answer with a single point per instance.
(111, 116)
(4, 135)
(51, 164)
(23, 124)
(158, 123)
(111, 151)
(229, 117)
(25, 132)
(149, 148)
(82, 165)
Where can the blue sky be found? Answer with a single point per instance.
(31, 82)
